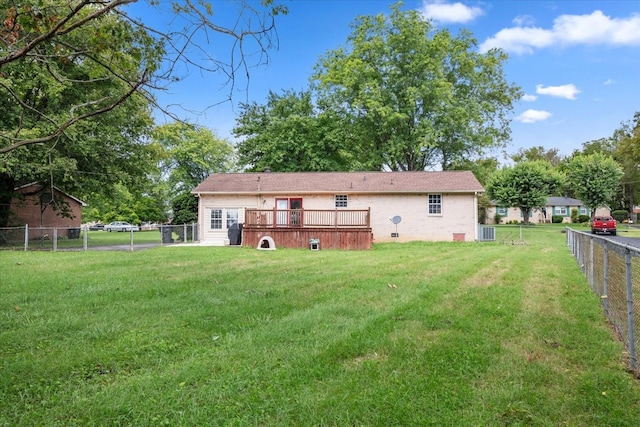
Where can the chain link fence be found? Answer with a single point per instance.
(82, 238)
(613, 272)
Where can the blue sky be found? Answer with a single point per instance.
(578, 62)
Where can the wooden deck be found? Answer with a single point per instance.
(294, 228)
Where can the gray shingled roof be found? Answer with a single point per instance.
(563, 201)
(343, 182)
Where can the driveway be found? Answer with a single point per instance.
(621, 239)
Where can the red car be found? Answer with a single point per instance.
(603, 224)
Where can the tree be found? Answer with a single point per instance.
(414, 95)
(78, 79)
(189, 154)
(537, 153)
(627, 154)
(289, 134)
(595, 179)
(64, 62)
(185, 208)
(526, 185)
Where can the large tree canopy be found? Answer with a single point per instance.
(417, 97)
(595, 179)
(62, 61)
(628, 155)
(78, 81)
(538, 153)
(527, 185)
(289, 134)
(189, 154)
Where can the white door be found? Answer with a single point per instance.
(282, 211)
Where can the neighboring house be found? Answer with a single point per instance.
(37, 206)
(345, 210)
(554, 206)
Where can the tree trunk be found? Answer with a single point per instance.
(525, 215)
(7, 185)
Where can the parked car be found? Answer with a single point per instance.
(97, 227)
(604, 224)
(121, 226)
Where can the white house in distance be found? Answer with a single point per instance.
(554, 206)
(346, 210)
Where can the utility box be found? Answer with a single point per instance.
(314, 244)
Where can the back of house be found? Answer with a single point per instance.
(290, 207)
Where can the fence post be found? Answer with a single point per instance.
(186, 237)
(85, 238)
(131, 240)
(605, 278)
(592, 281)
(632, 342)
(55, 239)
(26, 237)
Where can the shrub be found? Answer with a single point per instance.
(574, 215)
(497, 218)
(583, 218)
(557, 219)
(620, 215)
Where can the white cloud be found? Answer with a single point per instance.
(440, 10)
(565, 91)
(529, 98)
(532, 116)
(594, 29)
(609, 82)
(524, 20)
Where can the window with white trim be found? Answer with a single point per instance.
(560, 210)
(216, 219)
(502, 211)
(341, 200)
(435, 204)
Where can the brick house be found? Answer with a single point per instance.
(39, 206)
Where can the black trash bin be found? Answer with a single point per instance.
(235, 234)
(73, 233)
(166, 234)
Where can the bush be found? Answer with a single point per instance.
(620, 215)
(583, 218)
(497, 218)
(574, 215)
(557, 219)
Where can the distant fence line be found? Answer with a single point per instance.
(80, 238)
(613, 272)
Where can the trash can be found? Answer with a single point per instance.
(73, 233)
(166, 234)
(234, 234)
(314, 244)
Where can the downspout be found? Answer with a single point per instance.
(200, 219)
(475, 215)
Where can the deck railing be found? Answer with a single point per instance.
(307, 218)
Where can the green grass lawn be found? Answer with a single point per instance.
(446, 334)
